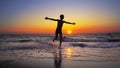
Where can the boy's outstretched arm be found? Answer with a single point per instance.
(50, 19)
(69, 23)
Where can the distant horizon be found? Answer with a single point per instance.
(65, 34)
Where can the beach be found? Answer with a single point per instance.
(38, 51)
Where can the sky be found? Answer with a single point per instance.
(90, 16)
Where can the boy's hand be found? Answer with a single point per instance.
(46, 17)
(73, 23)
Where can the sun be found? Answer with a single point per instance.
(69, 31)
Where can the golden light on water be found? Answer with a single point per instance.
(69, 52)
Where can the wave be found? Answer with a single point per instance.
(17, 48)
(90, 40)
(100, 45)
(22, 40)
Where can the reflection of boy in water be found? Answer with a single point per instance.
(58, 59)
(59, 27)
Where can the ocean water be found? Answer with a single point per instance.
(95, 50)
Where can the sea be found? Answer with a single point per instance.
(78, 50)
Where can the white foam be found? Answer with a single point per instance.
(83, 40)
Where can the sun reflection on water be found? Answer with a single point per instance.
(69, 52)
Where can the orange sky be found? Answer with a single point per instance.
(90, 16)
(39, 30)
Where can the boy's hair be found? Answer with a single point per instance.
(61, 16)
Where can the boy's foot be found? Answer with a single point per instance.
(53, 40)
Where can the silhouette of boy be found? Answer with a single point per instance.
(59, 27)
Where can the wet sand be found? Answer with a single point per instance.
(69, 57)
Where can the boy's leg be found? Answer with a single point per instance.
(56, 36)
(60, 40)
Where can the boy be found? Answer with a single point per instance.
(59, 27)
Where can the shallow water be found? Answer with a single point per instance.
(37, 51)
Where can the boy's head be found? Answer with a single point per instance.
(61, 17)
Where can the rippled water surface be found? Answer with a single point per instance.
(27, 50)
